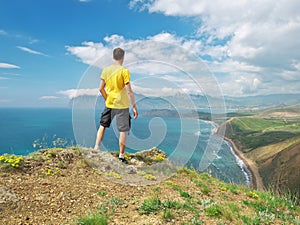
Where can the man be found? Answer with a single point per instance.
(116, 90)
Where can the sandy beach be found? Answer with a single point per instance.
(257, 182)
(256, 178)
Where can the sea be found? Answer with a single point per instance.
(187, 141)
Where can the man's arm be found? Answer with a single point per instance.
(131, 98)
(102, 89)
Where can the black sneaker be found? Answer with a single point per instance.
(123, 160)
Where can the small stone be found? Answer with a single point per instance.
(131, 169)
(106, 168)
(137, 162)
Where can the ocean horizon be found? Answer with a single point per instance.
(26, 130)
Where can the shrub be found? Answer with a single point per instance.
(151, 205)
(149, 177)
(11, 160)
(93, 219)
(213, 210)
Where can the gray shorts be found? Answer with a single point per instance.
(123, 118)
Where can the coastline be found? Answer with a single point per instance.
(256, 178)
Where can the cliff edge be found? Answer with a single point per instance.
(270, 140)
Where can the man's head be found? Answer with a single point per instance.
(118, 53)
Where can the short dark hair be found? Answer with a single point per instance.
(118, 53)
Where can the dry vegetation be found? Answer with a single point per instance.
(58, 186)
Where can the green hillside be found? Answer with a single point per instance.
(271, 138)
(254, 132)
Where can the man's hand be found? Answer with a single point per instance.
(102, 89)
(131, 98)
(135, 112)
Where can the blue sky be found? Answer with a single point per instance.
(48, 47)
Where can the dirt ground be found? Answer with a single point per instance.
(65, 187)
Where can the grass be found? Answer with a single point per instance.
(151, 205)
(168, 215)
(101, 193)
(171, 204)
(270, 142)
(213, 210)
(253, 207)
(93, 219)
(253, 132)
(191, 198)
(205, 189)
(104, 211)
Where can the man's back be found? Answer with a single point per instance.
(116, 77)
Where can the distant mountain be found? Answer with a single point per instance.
(181, 101)
(199, 102)
(161, 113)
(263, 101)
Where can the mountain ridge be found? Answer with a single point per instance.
(204, 102)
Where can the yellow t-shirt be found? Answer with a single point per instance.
(116, 77)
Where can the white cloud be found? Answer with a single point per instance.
(89, 52)
(47, 97)
(178, 7)
(21, 37)
(8, 76)
(155, 91)
(164, 55)
(145, 91)
(177, 64)
(159, 55)
(251, 40)
(255, 29)
(74, 93)
(167, 38)
(165, 48)
(25, 49)
(12, 74)
(8, 66)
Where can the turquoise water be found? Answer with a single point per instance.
(185, 140)
(20, 127)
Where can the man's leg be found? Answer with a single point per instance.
(100, 135)
(123, 125)
(122, 144)
(105, 121)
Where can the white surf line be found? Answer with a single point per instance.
(241, 164)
